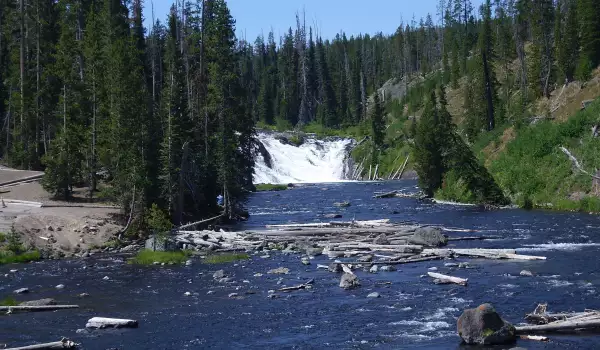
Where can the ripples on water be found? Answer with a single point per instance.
(411, 313)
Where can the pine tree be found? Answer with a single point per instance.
(566, 39)
(428, 149)
(377, 122)
(588, 14)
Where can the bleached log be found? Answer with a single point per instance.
(395, 262)
(102, 322)
(534, 337)
(37, 308)
(347, 269)
(522, 257)
(333, 224)
(399, 176)
(576, 163)
(62, 344)
(546, 318)
(472, 238)
(298, 287)
(560, 326)
(386, 195)
(448, 279)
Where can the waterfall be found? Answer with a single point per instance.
(280, 161)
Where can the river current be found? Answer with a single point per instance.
(412, 312)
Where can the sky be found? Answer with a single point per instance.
(254, 17)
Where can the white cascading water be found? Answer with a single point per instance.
(312, 162)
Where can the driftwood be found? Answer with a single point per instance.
(483, 253)
(386, 195)
(444, 279)
(62, 344)
(576, 163)
(37, 308)
(472, 238)
(534, 337)
(394, 262)
(298, 287)
(102, 322)
(192, 224)
(561, 326)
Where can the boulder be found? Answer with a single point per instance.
(314, 251)
(381, 240)
(334, 267)
(40, 302)
(349, 281)
(373, 295)
(428, 236)
(526, 273)
(484, 326)
(21, 291)
(374, 269)
(305, 261)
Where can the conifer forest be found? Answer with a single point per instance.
(167, 115)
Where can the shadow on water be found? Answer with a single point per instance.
(411, 313)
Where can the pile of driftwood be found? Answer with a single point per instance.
(375, 242)
(544, 322)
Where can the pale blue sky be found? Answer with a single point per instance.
(329, 16)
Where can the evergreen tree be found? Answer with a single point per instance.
(566, 39)
(428, 149)
(377, 122)
(588, 13)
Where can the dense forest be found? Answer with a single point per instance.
(166, 115)
(91, 99)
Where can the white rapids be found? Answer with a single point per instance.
(314, 161)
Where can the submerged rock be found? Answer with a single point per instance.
(373, 295)
(332, 216)
(526, 273)
(484, 326)
(428, 236)
(21, 291)
(349, 281)
(60, 286)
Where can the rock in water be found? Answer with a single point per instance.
(428, 236)
(332, 216)
(279, 271)
(374, 269)
(60, 286)
(373, 295)
(40, 302)
(219, 274)
(484, 326)
(381, 239)
(21, 291)
(349, 281)
(526, 273)
(334, 267)
(101, 322)
(387, 268)
(305, 261)
(365, 258)
(314, 251)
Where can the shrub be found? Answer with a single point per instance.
(270, 187)
(225, 258)
(12, 258)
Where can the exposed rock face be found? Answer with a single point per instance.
(219, 274)
(349, 281)
(428, 236)
(484, 326)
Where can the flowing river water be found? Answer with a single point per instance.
(412, 313)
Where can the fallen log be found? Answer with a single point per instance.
(386, 195)
(102, 322)
(62, 344)
(445, 279)
(37, 307)
(298, 287)
(560, 326)
(534, 337)
(522, 257)
(472, 238)
(393, 262)
(546, 318)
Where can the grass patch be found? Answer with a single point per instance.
(270, 187)
(8, 301)
(11, 258)
(225, 258)
(149, 257)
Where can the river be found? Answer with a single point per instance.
(412, 312)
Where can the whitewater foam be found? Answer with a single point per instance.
(557, 246)
(314, 161)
